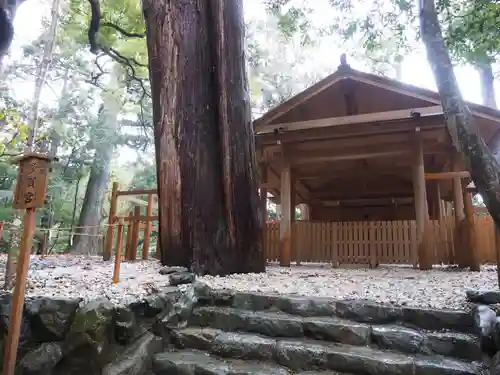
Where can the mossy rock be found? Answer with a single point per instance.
(94, 319)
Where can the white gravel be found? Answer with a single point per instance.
(437, 288)
(90, 277)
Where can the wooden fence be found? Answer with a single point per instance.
(137, 220)
(379, 242)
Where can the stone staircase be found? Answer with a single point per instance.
(241, 333)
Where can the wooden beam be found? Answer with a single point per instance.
(447, 175)
(361, 131)
(286, 219)
(403, 114)
(363, 201)
(263, 202)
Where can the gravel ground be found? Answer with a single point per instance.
(90, 277)
(441, 287)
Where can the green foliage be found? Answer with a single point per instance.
(473, 32)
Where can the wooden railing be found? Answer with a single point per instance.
(379, 242)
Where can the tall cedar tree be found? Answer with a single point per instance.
(205, 153)
(480, 162)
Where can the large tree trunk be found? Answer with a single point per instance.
(204, 140)
(87, 239)
(480, 162)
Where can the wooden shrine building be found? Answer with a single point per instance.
(371, 162)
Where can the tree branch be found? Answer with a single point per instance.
(122, 31)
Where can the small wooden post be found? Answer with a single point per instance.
(30, 193)
(147, 229)
(130, 228)
(118, 252)
(108, 243)
(286, 213)
(135, 232)
(471, 233)
(1, 230)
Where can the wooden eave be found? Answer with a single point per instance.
(347, 73)
(327, 153)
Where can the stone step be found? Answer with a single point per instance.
(301, 355)
(391, 337)
(363, 311)
(193, 362)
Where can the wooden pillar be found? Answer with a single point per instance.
(472, 256)
(147, 230)
(118, 252)
(263, 206)
(128, 241)
(286, 215)
(458, 205)
(108, 244)
(421, 208)
(136, 225)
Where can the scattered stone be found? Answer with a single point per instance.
(180, 278)
(483, 297)
(169, 270)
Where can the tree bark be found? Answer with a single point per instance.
(479, 160)
(206, 167)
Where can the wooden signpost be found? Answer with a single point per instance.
(29, 195)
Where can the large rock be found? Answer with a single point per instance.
(484, 297)
(435, 319)
(95, 320)
(169, 270)
(178, 314)
(452, 344)
(368, 311)
(180, 278)
(127, 327)
(51, 318)
(196, 363)
(136, 359)
(5, 307)
(339, 330)
(397, 338)
(42, 360)
(485, 321)
(495, 365)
